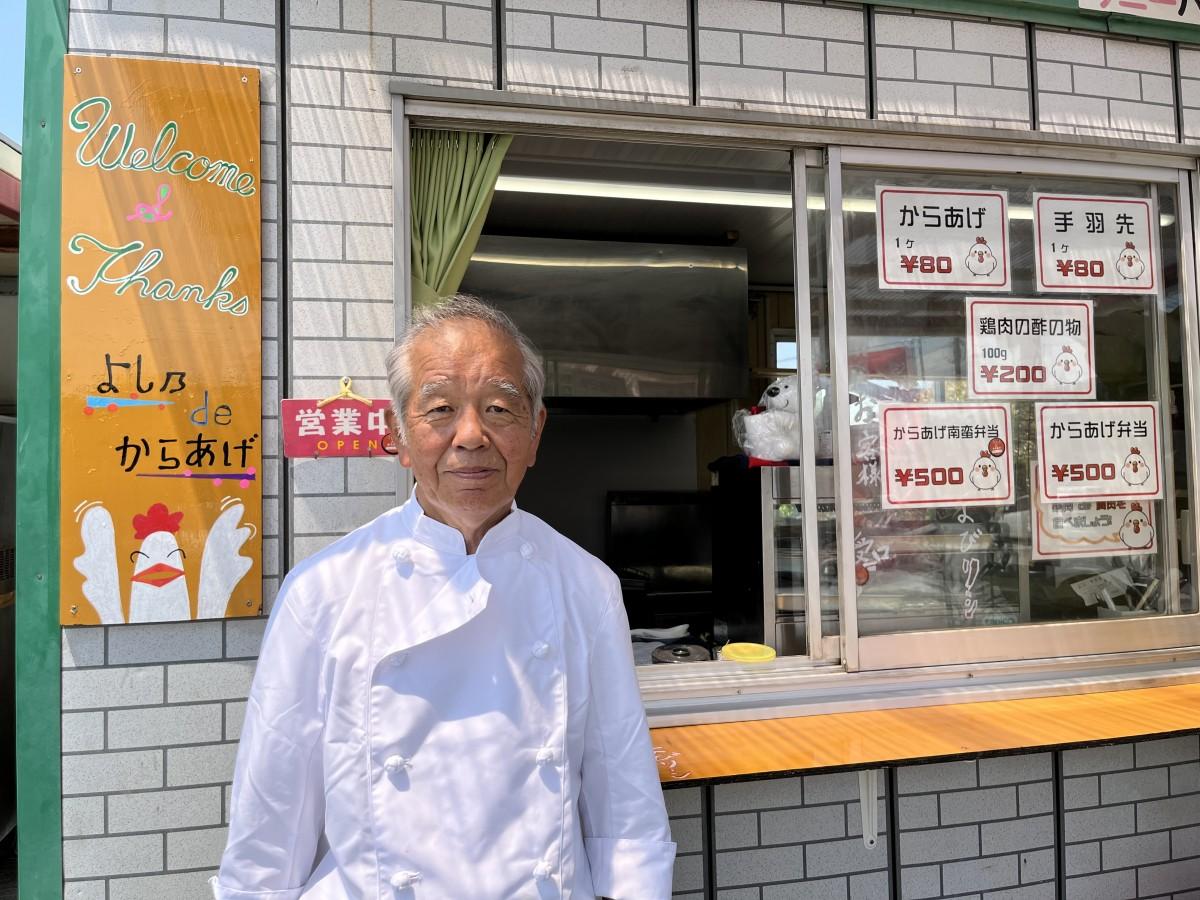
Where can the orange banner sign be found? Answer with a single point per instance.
(161, 375)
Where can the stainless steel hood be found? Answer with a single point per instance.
(623, 320)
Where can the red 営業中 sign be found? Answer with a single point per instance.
(337, 427)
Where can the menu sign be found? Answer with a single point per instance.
(1180, 11)
(928, 238)
(1088, 528)
(1030, 348)
(161, 410)
(948, 454)
(1099, 451)
(337, 427)
(1094, 244)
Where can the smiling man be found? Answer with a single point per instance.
(445, 705)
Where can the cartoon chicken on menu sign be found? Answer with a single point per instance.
(161, 408)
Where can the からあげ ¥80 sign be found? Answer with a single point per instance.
(933, 239)
(1187, 11)
(161, 410)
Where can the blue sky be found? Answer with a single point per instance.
(12, 66)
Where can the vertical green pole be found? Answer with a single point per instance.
(38, 646)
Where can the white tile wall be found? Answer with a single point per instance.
(1092, 85)
(943, 71)
(807, 58)
(615, 49)
(118, 773)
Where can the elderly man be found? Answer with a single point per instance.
(445, 705)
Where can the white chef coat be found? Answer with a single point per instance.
(426, 724)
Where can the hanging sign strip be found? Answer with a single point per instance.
(1185, 12)
(1099, 451)
(934, 239)
(946, 454)
(1030, 348)
(1087, 528)
(1094, 244)
(161, 409)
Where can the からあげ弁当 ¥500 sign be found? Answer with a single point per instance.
(161, 414)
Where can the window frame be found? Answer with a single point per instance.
(841, 673)
(1048, 640)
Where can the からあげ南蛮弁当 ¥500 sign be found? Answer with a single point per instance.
(1182, 11)
(161, 410)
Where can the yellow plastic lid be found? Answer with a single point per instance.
(747, 653)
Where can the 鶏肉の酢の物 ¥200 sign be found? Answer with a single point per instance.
(1169, 10)
(161, 415)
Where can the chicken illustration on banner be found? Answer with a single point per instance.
(158, 584)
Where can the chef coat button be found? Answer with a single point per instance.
(402, 554)
(541, 649)
(402, 880)
(395, 763)
(542, 870)
(544, 756)
(527, 550)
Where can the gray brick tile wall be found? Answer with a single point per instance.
(151, 754)
(797, 837)
(1128, 830)
(1093, 85)
(962, 832)
(946, 71)
(687, 830)
(807, 57)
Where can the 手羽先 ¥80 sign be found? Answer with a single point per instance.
(1169, 10)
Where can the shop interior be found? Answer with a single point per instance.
(658, 282)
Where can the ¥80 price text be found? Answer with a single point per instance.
(1080, 268)
(1084, 472)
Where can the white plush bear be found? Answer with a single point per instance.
(1136, 470)
(1136, 531)
(1067, 369)
(1129, 263)
(980, 259)
(771, 430)
(985, 474)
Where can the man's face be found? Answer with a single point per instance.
(470, 432)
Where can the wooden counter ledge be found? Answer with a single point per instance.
(862, 739)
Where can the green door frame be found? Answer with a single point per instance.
(38, 642)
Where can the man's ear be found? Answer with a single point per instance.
(393, 426)
(538, 428)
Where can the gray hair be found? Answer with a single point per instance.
(461, 308)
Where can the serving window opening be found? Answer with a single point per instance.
(657, 281)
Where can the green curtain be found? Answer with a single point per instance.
(453, 177)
